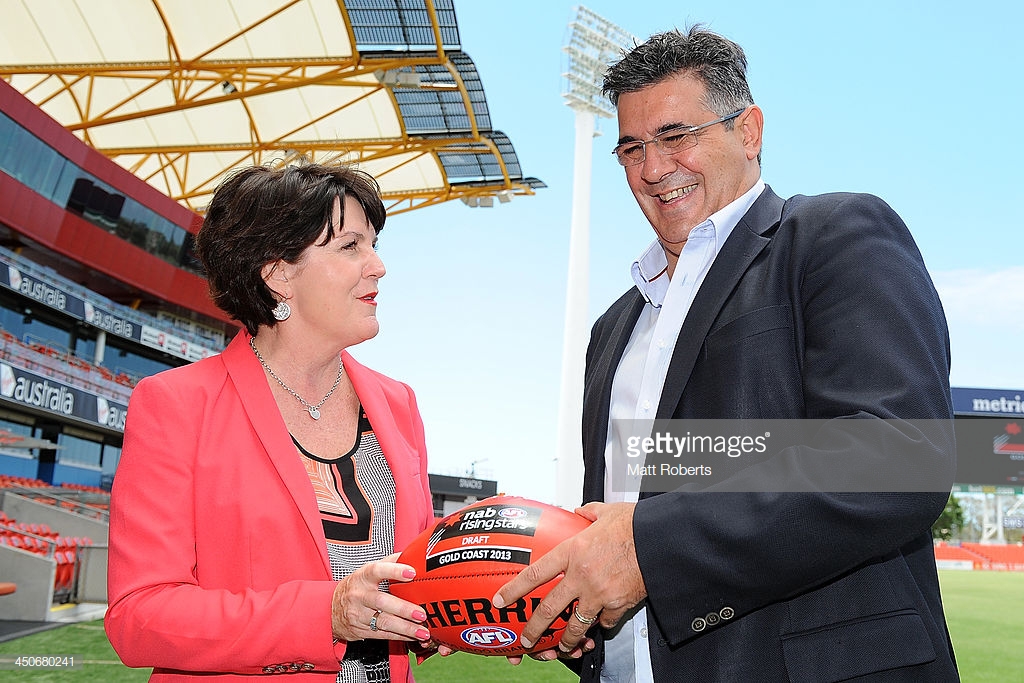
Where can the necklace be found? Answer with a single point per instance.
(314, 410)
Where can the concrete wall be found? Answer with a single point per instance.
(62, 521)
(34, 575)
(92, 575)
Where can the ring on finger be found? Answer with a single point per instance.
(586, 621)
(373, 620)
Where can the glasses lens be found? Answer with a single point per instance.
(674, 140)
(630, 154)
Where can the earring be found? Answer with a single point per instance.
(282, 311)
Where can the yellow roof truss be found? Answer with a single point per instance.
(180, 93)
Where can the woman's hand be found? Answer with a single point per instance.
(360, 610)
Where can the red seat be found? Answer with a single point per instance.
(65, 575)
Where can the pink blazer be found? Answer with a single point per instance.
(218, 561)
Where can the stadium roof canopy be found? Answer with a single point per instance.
(181, 91)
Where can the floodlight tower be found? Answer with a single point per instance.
(594, 43)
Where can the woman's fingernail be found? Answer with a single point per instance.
(419, 616)
(422, 634)
(409, 573)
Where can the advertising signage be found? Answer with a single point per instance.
(989, 426)
(28, 389)
(988, 401)
(106, 319)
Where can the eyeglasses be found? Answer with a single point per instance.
(671, 141)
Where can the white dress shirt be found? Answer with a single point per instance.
(640, 378)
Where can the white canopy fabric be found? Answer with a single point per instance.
(182, 91)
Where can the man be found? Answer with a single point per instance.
(748, 306)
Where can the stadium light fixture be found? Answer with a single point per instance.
(594, 43)
(398, 78)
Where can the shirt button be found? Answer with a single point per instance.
(661, 343)
(646, 405)
(643, 632)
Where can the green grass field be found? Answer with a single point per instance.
(985, 612)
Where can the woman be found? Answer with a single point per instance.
(262, 493)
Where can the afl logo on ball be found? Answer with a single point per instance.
(512, 513)
(488, 636)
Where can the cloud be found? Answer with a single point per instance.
(984, 297)
(985, 311)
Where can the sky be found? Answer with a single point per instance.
(911, 101)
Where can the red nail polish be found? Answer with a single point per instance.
(422, 634)
(419, 616)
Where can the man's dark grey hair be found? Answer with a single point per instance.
(717, 62)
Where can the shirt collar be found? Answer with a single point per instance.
(650, 270)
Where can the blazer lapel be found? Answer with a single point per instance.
(258, 402)
(597, 396)
(745, 242)
(399, 453)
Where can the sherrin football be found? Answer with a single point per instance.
(464, 559)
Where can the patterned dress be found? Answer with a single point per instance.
(356, 496)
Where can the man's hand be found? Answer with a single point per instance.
(600, 570)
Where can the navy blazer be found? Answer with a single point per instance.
(817, 308)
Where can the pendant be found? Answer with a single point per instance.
(314, 412)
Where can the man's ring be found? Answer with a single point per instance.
(373, 620)
(583, 620)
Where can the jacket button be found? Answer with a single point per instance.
(268, 669)
(698, 624)
(308, 666)
(726, 613)
(712, 618)
(662, 642)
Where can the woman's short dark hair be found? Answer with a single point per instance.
(263, 214)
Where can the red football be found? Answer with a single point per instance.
(464, 559)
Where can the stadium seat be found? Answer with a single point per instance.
(65, 571)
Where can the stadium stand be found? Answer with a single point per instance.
(40, 539)
(997, 557)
